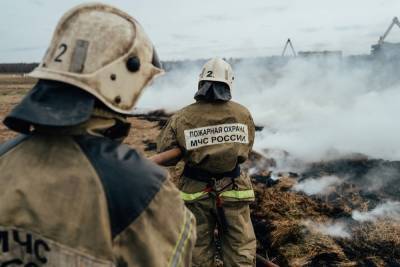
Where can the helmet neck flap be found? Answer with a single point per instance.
(58, 108)
(213, 92)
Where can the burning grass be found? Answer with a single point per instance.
(295, 228)
(301, 229)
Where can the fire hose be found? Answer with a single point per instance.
(267, 263)
(167, 156)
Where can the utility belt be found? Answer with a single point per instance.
(207, 177)
(212, 188)
(217, 189)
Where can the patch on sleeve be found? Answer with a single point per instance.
(22, 248)
(216, 134)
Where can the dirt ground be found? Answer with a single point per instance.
(282, 217)
(14, 87)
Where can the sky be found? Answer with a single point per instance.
(190, 29)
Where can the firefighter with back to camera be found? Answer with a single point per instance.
(215, 135)
(70, 193)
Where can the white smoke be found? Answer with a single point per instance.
(317, 110)
(313, 109)
(380, 177)
(335, 229)
(318, 186)
(172, 91)
(388, 210)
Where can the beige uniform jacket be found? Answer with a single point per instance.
(215, 137)
(88, 201)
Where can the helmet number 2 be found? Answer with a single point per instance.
(209, 74)
(62, 48)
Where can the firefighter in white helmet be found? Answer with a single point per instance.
(70, 193)
(215, 136)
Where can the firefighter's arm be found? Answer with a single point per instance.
(164, 158)
(252, 131)
(163, 235)
(169, 151)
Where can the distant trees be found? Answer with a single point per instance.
(17, 67)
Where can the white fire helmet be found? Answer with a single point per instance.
(218, 70)
(103, 51)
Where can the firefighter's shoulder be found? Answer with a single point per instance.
(130, 181)
(239, 107)
(188, 108)
(10, 144)
(186, 111)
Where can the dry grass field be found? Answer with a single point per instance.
(14, 86)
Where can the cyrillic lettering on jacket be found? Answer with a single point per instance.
(216, 134)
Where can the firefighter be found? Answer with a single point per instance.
(70, 193)
(215, 136)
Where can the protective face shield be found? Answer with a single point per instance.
(103, 51)
(217, 70)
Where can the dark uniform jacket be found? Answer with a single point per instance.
(215, 137)
(88, 201)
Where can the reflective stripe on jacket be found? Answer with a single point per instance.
(240, 195)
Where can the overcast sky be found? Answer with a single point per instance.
(201, 29)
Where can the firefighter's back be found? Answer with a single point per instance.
(58, 204)
(216, 135)
(71, 194)
(41, 224)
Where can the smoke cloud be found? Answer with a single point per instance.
(335, 229)
(318, 186)
(388, 210)
(381, 178)
(313, 109)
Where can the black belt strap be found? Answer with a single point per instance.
(206, 176)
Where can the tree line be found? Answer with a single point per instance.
(17, 67)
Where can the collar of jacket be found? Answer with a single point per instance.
(102, 123)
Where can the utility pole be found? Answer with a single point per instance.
(288, 43)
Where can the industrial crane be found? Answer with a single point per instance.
(383, 37)
(384, 49)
